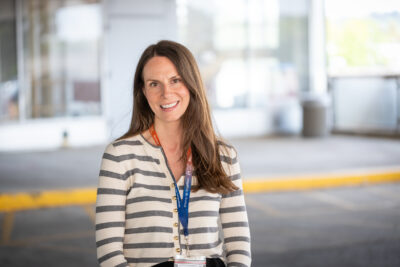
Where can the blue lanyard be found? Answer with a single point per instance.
(181, 203)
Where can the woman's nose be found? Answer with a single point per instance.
(166, 89)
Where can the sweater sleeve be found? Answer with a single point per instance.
(233, 216)
(112, 189)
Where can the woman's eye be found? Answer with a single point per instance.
(153, 84)
(177, 80)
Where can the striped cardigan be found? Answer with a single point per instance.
(137, 221)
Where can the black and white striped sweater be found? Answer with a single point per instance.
(137, 221)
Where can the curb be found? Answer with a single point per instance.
(319, 182)
(86, 196)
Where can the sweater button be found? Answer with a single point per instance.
(175, 210)
(172, 185)
(176, 237)
(174, 197)
(176, 224)
(178, 250)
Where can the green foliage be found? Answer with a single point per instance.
(359, 41)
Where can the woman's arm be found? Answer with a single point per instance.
(234, 220)
(110, 209)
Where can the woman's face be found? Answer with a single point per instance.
(164, 89)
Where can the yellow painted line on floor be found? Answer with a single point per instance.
(330, 199)
(45, 199)
(85, 196)
(316, 182)
(264, 207)
(8, 222)
(91, 212)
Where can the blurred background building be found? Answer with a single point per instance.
(67, 66)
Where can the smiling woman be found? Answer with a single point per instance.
(165, 91)
(169, 151)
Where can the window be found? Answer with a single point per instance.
(61, 49)
(8, 62)
(363, 36)
(249, 51)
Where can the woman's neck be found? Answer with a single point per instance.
(170, 135)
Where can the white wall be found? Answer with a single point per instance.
(47, 134)
(283, 117)
(375, 111)
(129, 27)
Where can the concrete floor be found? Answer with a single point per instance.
(354, 226)
(259, 158)
(297, 156)
(348, 227)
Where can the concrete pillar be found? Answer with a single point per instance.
(317, 48)
(129, 27)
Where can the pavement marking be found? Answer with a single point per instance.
(54, 237)
(87, 196)
(45, 199)
(318, 181)
(8, 223)
(361, 223)
(90, 210)
(66, 248)
(262, 207)
(386, 194)
(327, 212)
(57, 247)
(330, 199)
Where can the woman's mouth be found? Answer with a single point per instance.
(169, 106)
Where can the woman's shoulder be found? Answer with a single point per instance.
(227, 151)
(121, 144)
(134, 140)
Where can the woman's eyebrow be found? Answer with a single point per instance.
(151, 80)
(155, 80)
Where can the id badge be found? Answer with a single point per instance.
(182, 261)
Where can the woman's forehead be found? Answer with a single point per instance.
(159, 67)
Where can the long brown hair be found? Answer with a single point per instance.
(198, 132)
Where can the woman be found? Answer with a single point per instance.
(165, 184)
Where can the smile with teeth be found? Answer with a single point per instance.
(169, 105)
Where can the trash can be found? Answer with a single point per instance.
(315, 117)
